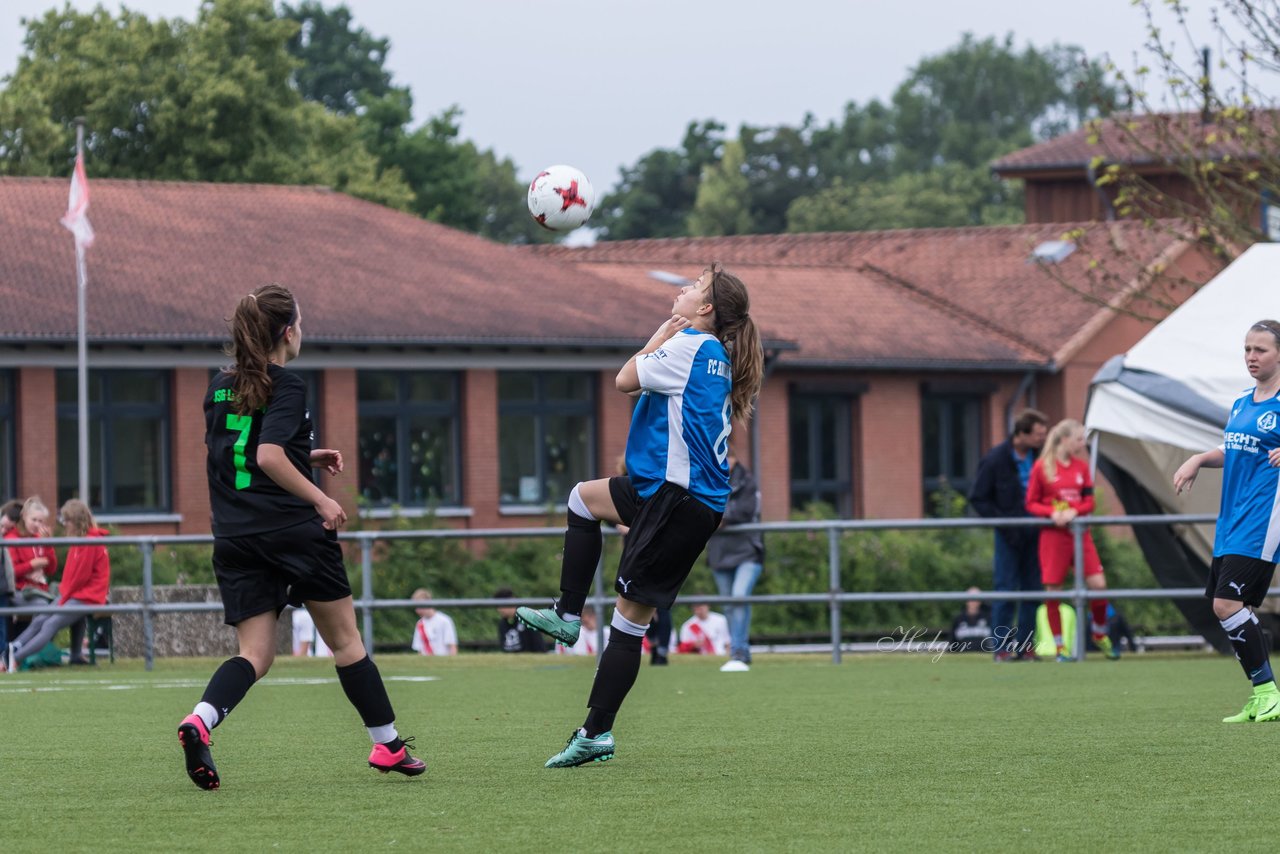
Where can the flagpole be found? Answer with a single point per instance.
(82, 349)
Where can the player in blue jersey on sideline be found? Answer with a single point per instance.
(703, 367)
(1248, 532)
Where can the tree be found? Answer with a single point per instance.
(724, 198)
(950, 196)
(655, 197)
(340, 63)
(1196, 162)
(171, 100)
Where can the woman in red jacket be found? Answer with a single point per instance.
(33, 566)
(85, 581)
(1061, 488)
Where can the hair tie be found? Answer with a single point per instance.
(254, 297)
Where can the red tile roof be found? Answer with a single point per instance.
(171, 259)
(1139, 140)
(952, 297)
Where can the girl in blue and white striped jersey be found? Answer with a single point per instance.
(703, 367)
(1248, 531)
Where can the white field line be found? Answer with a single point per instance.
(26, 685)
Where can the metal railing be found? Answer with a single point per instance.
(1079, 595)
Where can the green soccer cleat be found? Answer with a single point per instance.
(579, 750)
(547, 621)
(1268, 708)
(1108, 648)
(1247, 714)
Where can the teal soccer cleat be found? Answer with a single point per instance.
(547, 621)
(579, 750)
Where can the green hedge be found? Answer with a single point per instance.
(917, 560)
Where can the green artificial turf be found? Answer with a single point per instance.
(886, 752)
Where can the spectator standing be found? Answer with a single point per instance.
(737, 559)
(306, 637)
(1061, 488)
(705, 633)
(999, 492)
(435, 633)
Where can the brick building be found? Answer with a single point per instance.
(475, 380)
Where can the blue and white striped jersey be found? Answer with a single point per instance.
(680, 427)
(1249, 517)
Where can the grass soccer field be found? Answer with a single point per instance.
(881, 752)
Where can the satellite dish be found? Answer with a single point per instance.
(670, 278)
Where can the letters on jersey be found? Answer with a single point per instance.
(242, 498)
(680, 427)
(1249, 517)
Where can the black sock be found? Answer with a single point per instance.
(363, 685)
(583, 543)
(1250, 646)
(619, 666)
(228, 685)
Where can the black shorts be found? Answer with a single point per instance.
(1239, 578)
(264, 572)
(669, 530)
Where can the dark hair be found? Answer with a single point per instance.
(504, 593)
(259, 322)
(737, 331)
(1268, 326)
(1027, 420)
(13, 509)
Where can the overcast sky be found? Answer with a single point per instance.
(597, 83)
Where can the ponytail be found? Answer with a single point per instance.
(260, 320)
(738, 332)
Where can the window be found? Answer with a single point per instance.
(546, 435)
(820, 449)
(408, 429)
(7, 449)
(951, 431)
(128, 440)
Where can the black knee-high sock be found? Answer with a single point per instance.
(619, 666)
(582, 546)
(228, 685)
(363, 685)
(1250, 645)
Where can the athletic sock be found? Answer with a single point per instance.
(1250, 646)
(583, 543)
(226, 688)
(1053, 612)
(364, 688)
(1098, 610)
(619, 667)
(208, 714)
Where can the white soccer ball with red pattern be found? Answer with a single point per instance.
(561, 198)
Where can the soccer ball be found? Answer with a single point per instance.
(561, 198)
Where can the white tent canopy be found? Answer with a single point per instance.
(1169, 396)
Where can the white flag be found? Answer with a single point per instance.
(77, 217)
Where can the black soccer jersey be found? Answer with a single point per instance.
(242, 498)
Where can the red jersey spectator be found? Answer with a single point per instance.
(33, 566)
(1061, 488)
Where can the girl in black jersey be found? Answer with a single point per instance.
(275, 533)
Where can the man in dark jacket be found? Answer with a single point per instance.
(737, 559)
(1000, 491)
